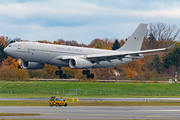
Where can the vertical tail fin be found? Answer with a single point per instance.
(134, 43)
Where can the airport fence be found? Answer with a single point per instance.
(91, 92)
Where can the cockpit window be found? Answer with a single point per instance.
(9, 45)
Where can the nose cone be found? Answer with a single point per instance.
(6, 50)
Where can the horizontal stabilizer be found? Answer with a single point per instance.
(172, 46)
(155, 53)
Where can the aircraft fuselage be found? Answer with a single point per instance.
(50, 54)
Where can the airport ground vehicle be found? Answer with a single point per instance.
(53, 101)
(61, 102)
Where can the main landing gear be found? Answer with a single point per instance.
(60, 73)
(87, 73)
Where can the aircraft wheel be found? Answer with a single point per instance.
(60, 72)
(19, 66)
(84, 72)
(87, 71)
(64, 76)
(88, 75)
(57, 72)
(61, 76)
(91, 76)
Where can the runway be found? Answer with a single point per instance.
(130, 112)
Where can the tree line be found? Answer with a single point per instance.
(158, 35)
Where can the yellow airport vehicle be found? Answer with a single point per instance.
(62, 102)
(53, 101)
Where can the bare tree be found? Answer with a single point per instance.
(163, 34)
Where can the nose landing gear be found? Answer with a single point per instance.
(87, 73)
(60, 73)
(19, 64)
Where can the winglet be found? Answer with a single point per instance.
(170, 47)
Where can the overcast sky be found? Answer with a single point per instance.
(82, 20)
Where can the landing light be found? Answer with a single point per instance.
(19, 61)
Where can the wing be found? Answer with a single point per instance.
(96, 58)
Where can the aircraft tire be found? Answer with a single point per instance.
(60, 72)
(64, 76)
(88, 75)
(19, 66)
(61, 76)
(84, 72)
(57, 72)
(87, 71)
(92, 76)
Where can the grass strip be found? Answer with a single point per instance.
(90, 88)
(114, 103)
(80, 96)
(17, 114)
(89, 103)
(24, 103)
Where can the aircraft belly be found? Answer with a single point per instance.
(106, 64)
(59, 63)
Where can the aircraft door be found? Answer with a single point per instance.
(24, 47)
(46, 49)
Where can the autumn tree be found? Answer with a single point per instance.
(10, 73)
(3, 40)
(11, 62)
(99, 45)
(49, 71)
(121, 42)
(3, 44)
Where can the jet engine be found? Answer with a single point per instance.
(79, 63)
(32, 65)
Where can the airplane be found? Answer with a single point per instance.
(34, 55)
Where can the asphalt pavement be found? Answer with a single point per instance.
(95, 112)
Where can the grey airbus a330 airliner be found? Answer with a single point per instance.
(34, 55)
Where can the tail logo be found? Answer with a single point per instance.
(137, 38)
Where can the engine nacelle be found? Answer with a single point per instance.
(32, 65)
(79, 63)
